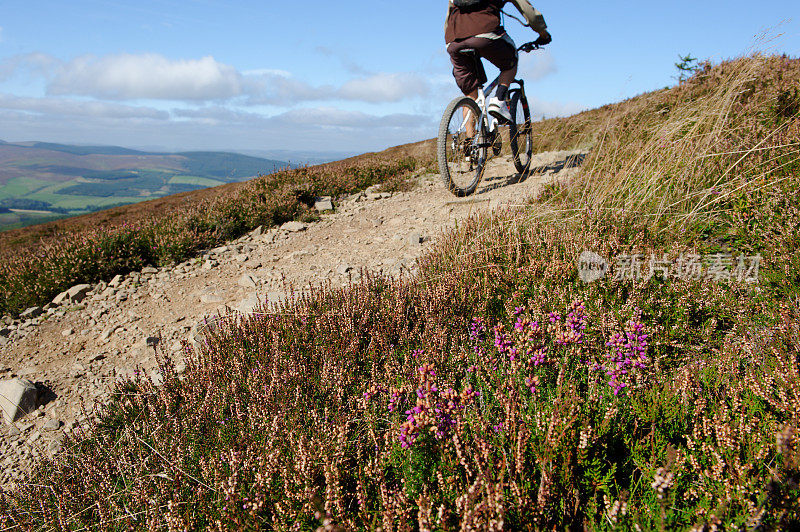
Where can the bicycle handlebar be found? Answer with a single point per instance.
(528, 47)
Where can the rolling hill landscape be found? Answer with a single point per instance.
(42, 181)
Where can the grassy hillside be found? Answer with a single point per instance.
(496, 390)
(71, 180)
(39, 262)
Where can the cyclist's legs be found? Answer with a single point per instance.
(505, 57)
(501, 52)
(469, 121)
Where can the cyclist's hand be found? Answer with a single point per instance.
(544, 38)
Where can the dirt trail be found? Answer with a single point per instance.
(76, 353)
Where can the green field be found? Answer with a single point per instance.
(80, 203)
(194, 180)
(22, 187)
(50, 193)
(54, 179)
(14, 220)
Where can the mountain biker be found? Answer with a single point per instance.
(476, 25)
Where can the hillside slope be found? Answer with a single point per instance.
(494, 387)
(107, 336)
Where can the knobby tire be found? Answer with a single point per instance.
(520, 132)
(455, 163)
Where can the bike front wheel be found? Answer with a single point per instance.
(462, 147)
(520, 132)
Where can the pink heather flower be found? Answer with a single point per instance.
(502, 340)
(628, 353)
(532, 383)
(477, 330)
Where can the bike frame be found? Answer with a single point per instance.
(485, 118)
(491, 122)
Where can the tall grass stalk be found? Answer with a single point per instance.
(674, 155)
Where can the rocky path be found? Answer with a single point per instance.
(73, 351)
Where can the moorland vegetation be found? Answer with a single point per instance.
(494, 389)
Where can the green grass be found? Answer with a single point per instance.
(17, 220)
(80, 203)
(22, 187)
(36, 189)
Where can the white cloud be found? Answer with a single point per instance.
(213, 127)
(385, 87)
(277, 88)
(326, 117)
(268, 72)
(550, 109)
(347, 63)
(33, 64)
(219, 115)
(59, 107)
(147, 76)
(536, 66)
(305, 117)
(154, 77)
(85, 104)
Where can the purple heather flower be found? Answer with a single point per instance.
(502, 340)
(628, 352)
(477, 330)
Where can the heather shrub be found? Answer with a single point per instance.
(429, 405)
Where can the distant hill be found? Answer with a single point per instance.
(65, 180)
(83, 150)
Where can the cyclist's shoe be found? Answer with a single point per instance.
(499, 109)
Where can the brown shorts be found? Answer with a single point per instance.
(502, 53)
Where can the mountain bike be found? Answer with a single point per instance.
(469, 135)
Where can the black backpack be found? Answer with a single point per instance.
(468, 5)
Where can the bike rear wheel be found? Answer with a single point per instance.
(461, 158)
(520, 132)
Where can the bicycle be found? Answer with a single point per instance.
(467, 132)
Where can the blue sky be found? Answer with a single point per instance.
(326, 76)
